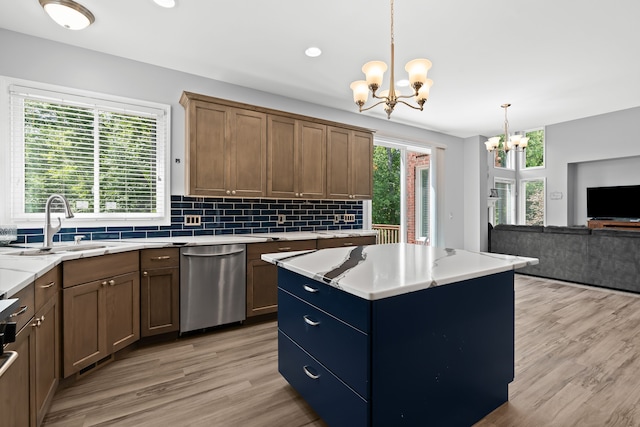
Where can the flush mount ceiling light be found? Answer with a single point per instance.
(165, 3)
(313, 52)
(68, 13)
(514, 141)
(374, 72)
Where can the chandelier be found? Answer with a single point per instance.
(512, 142)
(374, 72)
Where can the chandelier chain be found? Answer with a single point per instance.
(392, 37)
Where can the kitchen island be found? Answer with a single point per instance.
(397, 335)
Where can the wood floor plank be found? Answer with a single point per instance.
(577, 363)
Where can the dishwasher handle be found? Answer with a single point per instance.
(12, 356)
(213, 255)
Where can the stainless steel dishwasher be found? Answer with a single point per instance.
(212, 286)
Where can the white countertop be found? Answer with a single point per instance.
(381, 271)
(17, 271)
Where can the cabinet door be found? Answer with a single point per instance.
(17, 384)
(160, 301)
(262, 288)
(361, 162)
(47, 355)
(338, 161)
(123, 311)
(312, 160)
(208, 149)
(282, 157)
(85, 326)
(248, 168)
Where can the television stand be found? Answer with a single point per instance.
(630, 224)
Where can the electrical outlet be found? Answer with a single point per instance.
(337, 219)
(349, 218)
(282, 219)
(192, 220)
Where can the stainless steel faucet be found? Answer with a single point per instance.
(49, 231)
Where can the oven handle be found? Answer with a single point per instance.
(213, 255)
(7, 363)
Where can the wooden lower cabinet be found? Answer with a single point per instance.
(159, 291)
(262, 277)
(46, 328)
(101, 316)
(17, 383)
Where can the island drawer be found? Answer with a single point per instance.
(348, 308)
(320, 334)
(255, 250)
(336, 403)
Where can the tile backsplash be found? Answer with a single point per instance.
(224, 216)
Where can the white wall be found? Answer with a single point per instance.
(476, 191)
(610, 140)
(41, 60)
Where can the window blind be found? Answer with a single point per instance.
(107, 158)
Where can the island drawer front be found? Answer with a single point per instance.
(336, 403)
(341, 348)
(348, 308)
(26, 309)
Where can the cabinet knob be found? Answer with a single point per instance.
(42, 318)
(297, 194)
(145, 274)
(112, 282)
(233, 192)
(228, 192)
(104, 283)
(301, 195)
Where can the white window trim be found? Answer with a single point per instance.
(418, 206)
(523, 160)
(108, 220)
(522, 200)
(513, 195)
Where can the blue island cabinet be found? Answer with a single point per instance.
(441, 356)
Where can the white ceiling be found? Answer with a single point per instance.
(553, 60)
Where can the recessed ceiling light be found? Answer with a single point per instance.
(403, 83)
(165, 3)
(68, 13)
(313, 51)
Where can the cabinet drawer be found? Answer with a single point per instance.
(339, 242)
(348, 308)
(159, 258)
(86, 270)
(47, 286)
(254, 250)
(26, 310)
(320, 334)
(336, 404)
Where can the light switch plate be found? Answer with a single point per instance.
(192, 220)
(349, 218)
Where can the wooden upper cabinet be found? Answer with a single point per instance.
(349, 164)
(296, 158)
(226, 150)
(240, 150)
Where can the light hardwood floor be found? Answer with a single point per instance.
(577, 364)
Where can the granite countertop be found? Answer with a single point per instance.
(381, 271)
(17, 271)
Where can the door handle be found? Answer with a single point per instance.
(309, 373)
(213, 255)
(310, 321)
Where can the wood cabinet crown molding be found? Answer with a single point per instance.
(191, 96)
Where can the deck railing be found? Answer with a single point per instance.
(387, 233)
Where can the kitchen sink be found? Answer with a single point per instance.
(58, 249)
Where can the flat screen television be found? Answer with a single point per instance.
(614, 202)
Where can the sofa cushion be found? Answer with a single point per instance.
(525, 228)
(566, 230)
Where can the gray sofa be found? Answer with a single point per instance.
(600, 257)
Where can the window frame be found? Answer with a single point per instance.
(418, 206)
(522, 201)
(14, 169)
(523, 158)
(513, 211)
